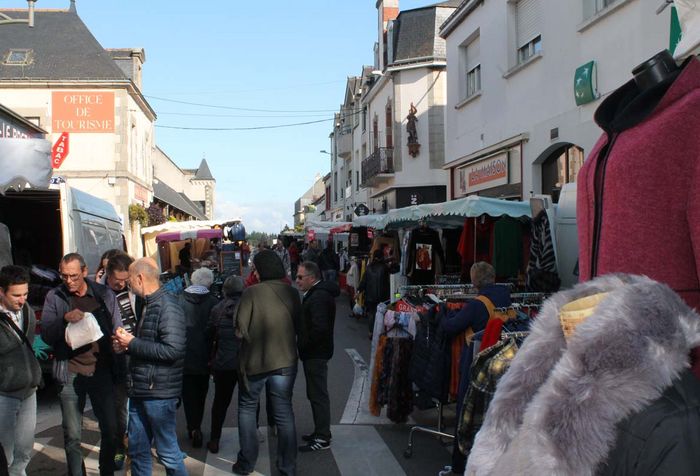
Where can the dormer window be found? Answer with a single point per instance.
(18, 57)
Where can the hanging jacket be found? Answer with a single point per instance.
(430, 362)
(375, 283)
(601, 399)
(642, 215)
(542, 273)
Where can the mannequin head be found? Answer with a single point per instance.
(654, 70)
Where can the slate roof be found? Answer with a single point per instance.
(165, 193)
(203, 172)
(416, 33)
(62, 49)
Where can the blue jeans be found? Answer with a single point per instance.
(281, 388)
(17, 425)
(73, 396)
(154, 420)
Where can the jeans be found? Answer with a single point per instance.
(72, 396)
(17, 425)
(121, 402)
(154, 420)
(281, 388)
(316, 373)
(224, 384)
(194, 396)
(330, 275)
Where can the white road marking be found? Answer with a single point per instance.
(220, 464)
(360, 451)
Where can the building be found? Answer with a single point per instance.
(56, 74)
(390, 134)
(525, 78)
(307, 204)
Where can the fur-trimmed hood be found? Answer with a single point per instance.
(556, 410)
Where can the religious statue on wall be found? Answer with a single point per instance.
(411, 119)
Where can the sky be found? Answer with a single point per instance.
(246, 64)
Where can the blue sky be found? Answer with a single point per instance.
(276, 55)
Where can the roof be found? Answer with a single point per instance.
(416, 33)
(62, 48)
(168, 195)
(203, 172)
(464, 8)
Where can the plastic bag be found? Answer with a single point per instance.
(83, 332)
(357, 310)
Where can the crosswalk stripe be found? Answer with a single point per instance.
(220, 464)
(360, 451)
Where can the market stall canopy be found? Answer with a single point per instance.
(208, 233)
(446, 214)
(150, 247)
(341, 229)
(324, 226)
(25, 161)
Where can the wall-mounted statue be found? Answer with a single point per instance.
(411, 119)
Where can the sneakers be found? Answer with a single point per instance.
(237, 469)
(315, 445)
(312, 437)
(119, 461)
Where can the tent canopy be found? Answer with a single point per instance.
(446, 214)
(189, 234)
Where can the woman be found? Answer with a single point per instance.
(225, 345)
(101, 273)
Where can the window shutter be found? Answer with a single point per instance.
(527, 21)
(473, 54)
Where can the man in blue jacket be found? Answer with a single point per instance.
(157, 352)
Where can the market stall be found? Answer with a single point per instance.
(202, 249)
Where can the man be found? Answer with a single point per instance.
(156, 356)
(328, 262)
(474, 315)
(117, 279)
(375, 285)
(283, 254)
(316, 349)
(20, 370)
(185, 257)
(87, 370)
(267, 321)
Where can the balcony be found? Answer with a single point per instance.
(344, 143)
(378, 167)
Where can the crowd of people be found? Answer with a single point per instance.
(138, 352)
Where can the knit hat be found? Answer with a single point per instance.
(268, 265)
(232, 285)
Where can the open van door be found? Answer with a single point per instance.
(5, 246)
(68, 227)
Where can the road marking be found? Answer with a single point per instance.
(357, 407)
(220, 464)
(360, 451)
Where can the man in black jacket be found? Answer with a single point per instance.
(316, 348)
(21, 373)
(157, 354)
(87, 370)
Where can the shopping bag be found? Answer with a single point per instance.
(83, 332)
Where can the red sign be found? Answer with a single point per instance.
(403, 306)
(59, 151)
(311, 234)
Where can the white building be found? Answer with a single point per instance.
(513, 123)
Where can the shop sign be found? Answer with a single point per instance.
(585, 84)
(82, 111)
(487, 173)
(361, 210)
(311, 234)
(9, 130)
(60, 150)
(141, 194)
(675, 30)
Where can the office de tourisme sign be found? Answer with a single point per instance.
(82, 111)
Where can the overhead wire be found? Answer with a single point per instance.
(218, 106)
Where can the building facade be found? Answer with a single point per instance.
(525, 78)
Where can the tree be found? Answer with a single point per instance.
(155, 215)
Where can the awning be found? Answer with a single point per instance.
(168, 195)
(446, 214)
(25, 161)
(189, 235)
(324, 226)
(341, 229)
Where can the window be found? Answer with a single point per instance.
(529, 49)
(389, 126)
(527, 29)
(560, 168)
(357, 181)
(593, 7)
(18, 57)
(364, 119)
(375, 132)
(470, 66)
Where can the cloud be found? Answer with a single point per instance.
(268, 217)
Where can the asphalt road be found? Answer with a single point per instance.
(362, 444)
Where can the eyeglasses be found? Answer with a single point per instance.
(70, 277)
(301, 276)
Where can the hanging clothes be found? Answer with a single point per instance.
(426, 256)
(404, 252)
(389, 244)
(508, 245)
(542, 267)
(429, 369)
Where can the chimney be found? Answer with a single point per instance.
(72, 8)
(30, 21)
(387, 10)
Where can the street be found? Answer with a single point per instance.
(362, 444)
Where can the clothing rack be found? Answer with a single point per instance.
(408, 452)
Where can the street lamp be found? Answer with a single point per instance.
(324, 151)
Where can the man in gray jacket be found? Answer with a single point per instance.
(157, 352)
(21, 373)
